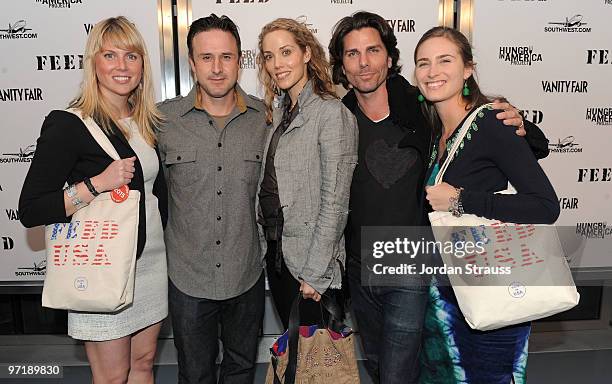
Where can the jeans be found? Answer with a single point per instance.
(195, 323)
(390, 322)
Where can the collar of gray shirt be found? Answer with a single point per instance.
(187, 103)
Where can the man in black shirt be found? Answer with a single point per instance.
(394, 144)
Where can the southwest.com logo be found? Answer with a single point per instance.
(24, 155)
(571, 25)
(17, 30)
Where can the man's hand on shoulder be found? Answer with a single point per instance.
(510, 116)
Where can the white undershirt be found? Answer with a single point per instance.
(381, 119)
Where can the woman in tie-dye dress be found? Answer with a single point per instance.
(490, 156)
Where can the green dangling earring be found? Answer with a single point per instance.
(420, 98)
(466, 90)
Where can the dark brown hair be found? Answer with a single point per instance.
(476, 97)
(354, 22)
(209, 23)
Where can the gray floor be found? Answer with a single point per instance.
(586, 367)
(581, 356)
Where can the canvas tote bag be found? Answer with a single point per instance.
(314, 354)
(540, 283)
(91, 260)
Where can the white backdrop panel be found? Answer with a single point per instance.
(410, 19)
(553, 59)
(40, 41)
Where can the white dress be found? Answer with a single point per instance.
(150, 303)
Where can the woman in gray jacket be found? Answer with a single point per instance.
(306, 176)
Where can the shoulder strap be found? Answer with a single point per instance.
(97, 134)
(458, 139)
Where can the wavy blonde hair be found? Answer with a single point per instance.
(318, 68)
(122, 34)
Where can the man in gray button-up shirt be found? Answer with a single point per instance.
(211, 148)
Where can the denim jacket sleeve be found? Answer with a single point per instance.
(338, 138)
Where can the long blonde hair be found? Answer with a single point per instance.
(317, 68)
(121, 33)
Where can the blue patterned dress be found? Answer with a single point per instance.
(453, 353)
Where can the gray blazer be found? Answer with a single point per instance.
(314, 163)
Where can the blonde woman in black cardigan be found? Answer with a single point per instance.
(117, 93)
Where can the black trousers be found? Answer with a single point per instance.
(285, 288)
(196, 321)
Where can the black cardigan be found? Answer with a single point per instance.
(492, 156)
(66, 152)
(406, 112)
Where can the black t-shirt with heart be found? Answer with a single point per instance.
(385, 188)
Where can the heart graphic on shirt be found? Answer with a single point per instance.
(387, 163)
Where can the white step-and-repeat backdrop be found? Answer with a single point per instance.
(409, 20)
(42, 43)
(553, 59)
(40, 70)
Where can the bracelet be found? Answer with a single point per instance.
(455, 204)
(71, 191)
(90, 187)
